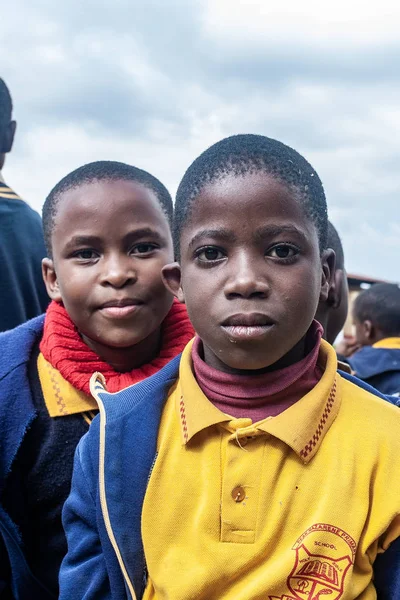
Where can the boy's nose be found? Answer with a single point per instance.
(118, 272)
(247, 280)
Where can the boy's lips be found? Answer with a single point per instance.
(120, 308)
(247, 326)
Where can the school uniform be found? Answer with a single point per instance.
(171, 498)
(45, 409)
(22, 291)
(379, 365)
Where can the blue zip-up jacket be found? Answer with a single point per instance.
(102, 516)
(16, 415)
(380, 367)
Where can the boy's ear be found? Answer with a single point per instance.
(172, 279)
(328, 263)
(8, 138)
(335, 293)
(368, 329)
(50, 279)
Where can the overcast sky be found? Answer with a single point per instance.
(154, 83)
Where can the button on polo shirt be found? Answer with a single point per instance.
(228, 500)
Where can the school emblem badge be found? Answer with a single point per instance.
(323, 556)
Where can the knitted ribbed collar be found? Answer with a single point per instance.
(261, 395)
(65, 350)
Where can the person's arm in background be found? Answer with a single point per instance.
(346, 347)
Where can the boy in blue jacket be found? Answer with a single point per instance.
(248, 468)
(376, 314)
(108, 237)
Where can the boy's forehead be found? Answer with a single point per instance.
(106, 198)
(234, 196)
(94, 192)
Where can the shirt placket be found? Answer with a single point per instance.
(241, 480)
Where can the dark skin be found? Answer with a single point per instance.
(7, 141)
(111, 240)
(367, 333)
(332, 313)
(251, 273)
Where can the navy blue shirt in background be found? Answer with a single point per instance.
(22, 291)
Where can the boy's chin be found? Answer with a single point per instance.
(121, 343)
(237, 362)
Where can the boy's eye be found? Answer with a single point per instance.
(209, 254)
(144, 248)
(283, 251)
(86, 254)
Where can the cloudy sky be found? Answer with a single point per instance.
(153, 83)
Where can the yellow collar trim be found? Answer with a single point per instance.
(301, 426)
(392, 343)
(61, 398)
(7, 192)
(195, 410)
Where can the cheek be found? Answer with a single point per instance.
(197, 303)
(154, 284)
(358, 332)
(75, 287)
(303, 293)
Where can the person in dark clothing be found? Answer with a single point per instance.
(376, 315)
(22, 291)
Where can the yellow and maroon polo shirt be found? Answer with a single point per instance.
(293, 507)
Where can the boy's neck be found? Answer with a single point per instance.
(123, 360)
(258, 396)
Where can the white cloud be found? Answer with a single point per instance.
(310, 21)
(155, 83)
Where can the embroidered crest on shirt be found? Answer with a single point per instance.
(324, 555)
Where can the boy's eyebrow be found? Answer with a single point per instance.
(222, 234)
(82, 240)
(259, 234)
(275, 230)
(94, 240)
(144, 232)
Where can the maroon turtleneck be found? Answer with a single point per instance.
(259, 396)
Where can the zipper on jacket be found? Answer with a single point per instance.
(97, 384)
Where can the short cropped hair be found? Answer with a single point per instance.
(5, 108)
(101, 171)
(333, 241)
(380, 304)
(240, 155)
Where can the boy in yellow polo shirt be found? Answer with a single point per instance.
(248, 469)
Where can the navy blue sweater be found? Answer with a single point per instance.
(22, 291)
(36, 456)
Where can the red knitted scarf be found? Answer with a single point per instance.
(65, 350)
